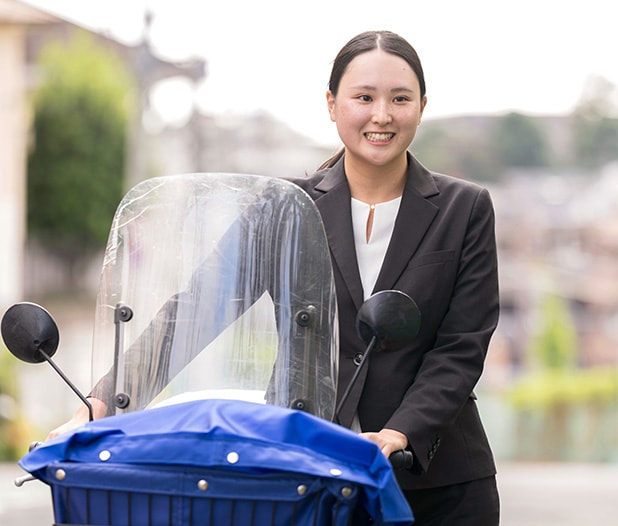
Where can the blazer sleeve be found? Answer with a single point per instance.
(452, 366)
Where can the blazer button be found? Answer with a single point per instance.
(358, 358)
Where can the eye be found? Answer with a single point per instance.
(364, 98)
(401, 98)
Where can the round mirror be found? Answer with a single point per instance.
(391, 316)
(28, 328)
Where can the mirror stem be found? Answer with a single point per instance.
(75, 389)
(345, 396)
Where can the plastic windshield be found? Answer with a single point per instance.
(216, 286)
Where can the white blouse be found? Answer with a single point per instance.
(370, 252)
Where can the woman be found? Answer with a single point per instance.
(392, 224)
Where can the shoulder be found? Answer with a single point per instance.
(442, 182)
(454, 186)
(432, 184)
(323, 181)
(447, 192)
(309, 182)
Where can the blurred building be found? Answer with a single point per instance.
(558, 235)
(16, 20)
(255, 144)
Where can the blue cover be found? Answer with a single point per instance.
(263, 439)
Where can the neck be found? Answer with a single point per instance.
(375, 184)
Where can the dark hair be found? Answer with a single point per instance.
(363, 43)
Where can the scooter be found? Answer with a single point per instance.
(215, 352)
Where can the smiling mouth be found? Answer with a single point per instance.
(379, 137)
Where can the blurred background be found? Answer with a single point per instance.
(523, 98)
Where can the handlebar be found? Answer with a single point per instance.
(402, 459)
(20, 481)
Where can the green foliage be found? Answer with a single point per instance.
(429, 146)
(76, 167)
(551, 388)
(554, 347)
(518, 142)
(552, 355)
(13, 429)
(596, 140)
(561, 410)
(566, 415)
(487, 148)
(595, 124)
(447, 151)
(482, 149)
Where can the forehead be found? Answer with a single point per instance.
(376, 68)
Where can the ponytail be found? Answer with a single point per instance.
(331, 161)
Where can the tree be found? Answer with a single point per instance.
(595, 124)
(76, 166)
(14, 430)
(554, 347)
(519, 143)
(452, 152)
(556, 393)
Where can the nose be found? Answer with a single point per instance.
(381, 114)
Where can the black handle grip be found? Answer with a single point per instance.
(401, 459)
(33, 445)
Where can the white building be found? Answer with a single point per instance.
(15, 19)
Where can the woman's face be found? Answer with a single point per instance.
(377, 108)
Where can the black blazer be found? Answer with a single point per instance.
(443, 254)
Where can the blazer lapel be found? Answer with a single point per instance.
(339, 230)
(415, 216)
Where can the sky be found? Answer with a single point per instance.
(479, 56)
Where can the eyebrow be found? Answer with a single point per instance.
(368, 87)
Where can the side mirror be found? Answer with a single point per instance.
(389, 316)
(28, 329)
(31, 334)
(388, 320)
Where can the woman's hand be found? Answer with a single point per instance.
(81, 416)
(388, 440)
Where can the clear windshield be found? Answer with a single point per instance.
(229, 284)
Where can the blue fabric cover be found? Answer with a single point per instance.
(265, 439)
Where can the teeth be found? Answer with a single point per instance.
(380, 137)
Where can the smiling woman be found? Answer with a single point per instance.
(393, 224)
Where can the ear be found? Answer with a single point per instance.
(423, 104)
(330, 101)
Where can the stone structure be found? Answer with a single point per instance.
(16, 20)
